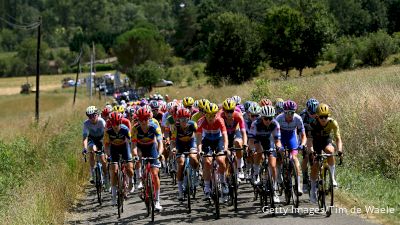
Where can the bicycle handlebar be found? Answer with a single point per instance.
(328, 155)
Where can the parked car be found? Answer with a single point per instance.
(164, 83)
(70, 83)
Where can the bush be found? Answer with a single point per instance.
(376, 48)
(261, 90)
(346, 53)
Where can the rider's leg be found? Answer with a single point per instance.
(329, 149)
(294, 154)
(179, 174)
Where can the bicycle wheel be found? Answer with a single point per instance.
(151, 195)
(269, 192)
(287, 186)
(328, 187)
(194, 178)
(99, 185)
(188, 187)
(146, 195)
(216, 188)
(119, 193)
(321, 191)
(294, 184)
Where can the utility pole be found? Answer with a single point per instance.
(78, 70)
(37, 72)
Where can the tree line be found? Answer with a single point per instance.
(236, 38)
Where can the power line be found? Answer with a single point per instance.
(31, 26)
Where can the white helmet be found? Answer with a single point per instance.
(237, 99)
(254, 108)
(268, 111)
(170, 105)
(91, 110)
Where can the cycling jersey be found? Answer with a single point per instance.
(237, 122)
(194, 111)
(159, 117)
(307, 120)
(146, 141)
(93, 131)
(164, 119)
(211, 131)
(324, 132)
(263, 134)
(289, 130)
(120, 138)
(184, 136)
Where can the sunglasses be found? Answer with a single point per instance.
(267, 118)
(289, 112)
(229, 111)
(323, 117)
(254, 115)
(184, 120)
(92, 116)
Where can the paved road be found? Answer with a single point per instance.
(88, 211)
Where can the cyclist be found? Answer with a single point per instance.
(291, 123)
(238, 100)
(105, 113)
(236, 130)
(262, 131)
(279, 106)
(183, 139)
(146, 137)
(202, 103)
(155, 108)
(188, 103)
(308, 115)
(254, 113)
(117, 140)
(125, 121)
(265, 102)
(212, 133)
(322, 128)
(93, 130)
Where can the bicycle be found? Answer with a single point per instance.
(232, 177)
(265, 189)
(122, 184)
(290, 183)
(325, 182)
(172, 166)
(216, 185)
(189, 180)
(148, 191)
(98, 176)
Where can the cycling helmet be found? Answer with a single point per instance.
(143, 102)
(279, 103)
(254, 108)
(91, 110)
(211, 108)
(265, 101)
(229, 104)
(115, 118)
(183, 112)
(237, 99)
(196, 104)
(188, 101)
(118, 108)
(290, 105)
(163, 108)
(109, 107)
(323, 110)
(312, 105)
(202, 103)
(170, 105)
(130, 111)
(106, 112)
(247, 105)
(154, 105)
(268, 111)
(144, 113)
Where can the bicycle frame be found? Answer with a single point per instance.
(148, 192)
(98, 176)
(189, 179)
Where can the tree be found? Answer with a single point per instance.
(319, 29)
(283, 43)
(146, 75)
(27, 53)
(234, 49)
(139, 45)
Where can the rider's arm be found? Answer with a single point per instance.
(226, 141)
(336, 132)
(106, 140)
(159, 139)
(85, 142)
(242, 126)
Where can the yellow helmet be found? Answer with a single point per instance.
(188, 101)
(118, 108)
(323, 110)
(229, 104)
(202, 103)
(211, 108)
